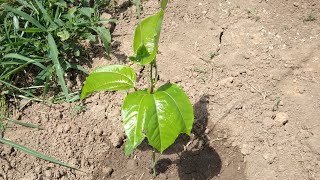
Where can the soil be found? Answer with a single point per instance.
(252, 71)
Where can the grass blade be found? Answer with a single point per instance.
(57, 65)
(34, 153)
(105, 36)
(28, 60)
(25, 16)
(22, 123)
(21, 90)
(44, 12)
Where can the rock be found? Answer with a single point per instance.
(116, 139)
(314, 144)
(281, 119)
(29, 176)
(267, 122)
(48, 173)
(107, 172)
(247, 149)
(67, 128)
(295, 4)
(131, 164)
(98, 131)
(226, 82)
(122, 3)
(270, 157)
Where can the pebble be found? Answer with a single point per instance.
(226, 82)
(48, 173)
(267, 122)
(30, 176)
(281, 119)
(107, 172)
(270, 157)
(131, 164)
(116, 139)
(295, 4)
(313, 144)
(247, 149)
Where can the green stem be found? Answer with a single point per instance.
(151, 87)
(154, 162)
(156, 78)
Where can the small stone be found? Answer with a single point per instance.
(98, 131)
(313, 144)
(67, 128)
(60, 128)
(48, 173)
(30, 176)
(295, 4)
(270, 157)
(281, 119)
(131, 164)
(38, 169)
(107, 172)
(247, 149)
(226, 82)
(116, 140)
(267, 122)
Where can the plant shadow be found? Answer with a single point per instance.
(197, 160)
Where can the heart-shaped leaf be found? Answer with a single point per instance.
(146, 38)
(161, 116)
(109, 78)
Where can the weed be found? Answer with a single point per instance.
(311, 17)
(42, 39)
(253, 14)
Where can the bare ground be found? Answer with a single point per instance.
(251, 69)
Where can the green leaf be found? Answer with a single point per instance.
(34, 153)
(146, 37)
(134, 104)
(109, 78)
(164, 4)
(44, 12)
(64, 35)
(162, 115)
(87, 11)
(105, 36)
(25, 16)
(26, 59)
(56, 63)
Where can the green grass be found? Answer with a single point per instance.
(41, 41)
(310, 17)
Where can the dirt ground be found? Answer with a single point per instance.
(252, 71)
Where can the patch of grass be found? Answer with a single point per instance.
(253, 14)
(310, 17)
(41, 42)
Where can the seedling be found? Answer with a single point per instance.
(158, 114)
(311, 17)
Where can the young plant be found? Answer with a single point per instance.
(159, 114)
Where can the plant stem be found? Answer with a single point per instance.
(156, 78)
(151, 87)
(154, 162)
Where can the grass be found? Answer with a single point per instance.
(40, 42)
(43, 40)
(310, 17)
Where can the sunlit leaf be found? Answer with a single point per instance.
(162, 115)
(109, 78)
(146, 38)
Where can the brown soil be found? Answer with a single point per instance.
(251, 69)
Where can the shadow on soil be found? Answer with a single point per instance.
(197, 160)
